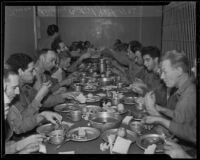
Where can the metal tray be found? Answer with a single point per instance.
(91, 134)
(129, 134)
(124, 90)
(124, 111)
(128, 100)
(93, 108)
(66, 107)
(49, 127)
(90, 89)
(144, 141)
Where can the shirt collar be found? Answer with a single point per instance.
(184, 86)
(6, 99)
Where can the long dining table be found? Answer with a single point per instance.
(93, 146)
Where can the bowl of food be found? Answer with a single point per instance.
(129, 100)
(105, 120)
(57, 136)
(136, 126)
(49, 127)
(148, 139)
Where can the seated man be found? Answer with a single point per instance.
(59, 47)
(136, 66)
(182, 120)
(30, 100)
(43, 67)
(119, 54)
(150, 76)
(173, 149)
(31, 143)
(53, 33)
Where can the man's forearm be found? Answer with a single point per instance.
(53, 100)
(164, 122)
(39, 118)
(165, 111)
(73, 67)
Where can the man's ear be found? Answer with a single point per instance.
(42, 58)
(156, 59)
(179, 70)
(4, 85)
(20, 71)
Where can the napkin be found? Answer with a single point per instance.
(127, 119)
(121, 145)
(150, 149)
(42, 148)
(68, 152)
(104, 146)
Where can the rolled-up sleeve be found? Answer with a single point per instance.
(30, 109)
(53, 100)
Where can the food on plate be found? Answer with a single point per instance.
(81, 98)
(84, 110)
(109, 87)
(101, 94)
(81, 132)
(90, 95)
(150, 149)
(121, 132)
(111, 138)
(129, 100)
(90, 86)
(109, 109)
(120, 107)
(104, 146)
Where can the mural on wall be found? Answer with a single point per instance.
(102, 30)
(103, 24)
(18, 11)
(97, 11)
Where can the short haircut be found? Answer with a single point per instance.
(177, 59)
(152, 51)
(118, 41)
(19, 60)
(44, 51)
(8, 71)
(135, 46)
(52, 29)
(87, 42)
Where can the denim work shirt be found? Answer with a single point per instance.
(153, 82)
(134, 71)
(183, 122)
(22, 115)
